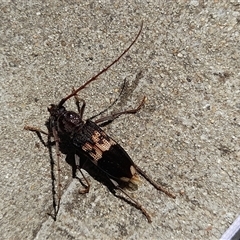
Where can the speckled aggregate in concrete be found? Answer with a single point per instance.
(186, 137)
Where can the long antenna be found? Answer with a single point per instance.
(104, 70)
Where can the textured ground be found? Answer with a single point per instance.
(186, 137)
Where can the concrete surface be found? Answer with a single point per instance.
(186, 137)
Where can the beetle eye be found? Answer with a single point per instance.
(71, 115)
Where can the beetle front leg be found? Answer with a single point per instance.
(77, 101)
(49, 144)
(38, 131)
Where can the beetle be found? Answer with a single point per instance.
(87, 146)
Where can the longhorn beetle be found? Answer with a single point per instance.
(85, 143)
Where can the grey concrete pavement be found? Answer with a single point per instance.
(187, 136)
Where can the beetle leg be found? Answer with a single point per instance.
(137, 204)
(77, 101)
(122, 88)
(108, 119)
(156, 185)
(77, 166)
(38, 131)
(59, 186)
(34, 129)
(86, 190)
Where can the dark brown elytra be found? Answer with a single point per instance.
(88, 147)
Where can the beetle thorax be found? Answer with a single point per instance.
(65, 121)
(69, 121)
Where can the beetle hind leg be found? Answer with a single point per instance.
(156, 185)
(136, 204)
